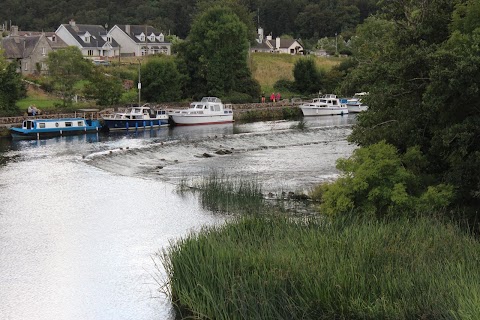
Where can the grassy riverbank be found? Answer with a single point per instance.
(281, 268)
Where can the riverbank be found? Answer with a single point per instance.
(275, 267)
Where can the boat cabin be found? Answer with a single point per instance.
(52, 124)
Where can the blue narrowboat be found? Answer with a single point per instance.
(137, 118)
(45, 128)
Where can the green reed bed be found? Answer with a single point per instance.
(281, 268)
(219, 192)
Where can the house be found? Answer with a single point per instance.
(279, 45)
(139, 40)
(28, 51)
(92, 40)
(55, 41)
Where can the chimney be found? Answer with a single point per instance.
(260, 35)
(14, 31)
(127, 29)
(277, 43)
(73, 24)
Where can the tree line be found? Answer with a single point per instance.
(309, 20)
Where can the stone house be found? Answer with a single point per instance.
(139, 40)
(92, 40)
(279, 45)
(29, 52)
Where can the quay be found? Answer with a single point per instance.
(264, 110)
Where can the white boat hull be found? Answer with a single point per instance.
(323, 111)
(356, 108)
(188, 119)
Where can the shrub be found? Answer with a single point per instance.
(378, 180)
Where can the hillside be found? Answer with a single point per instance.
(268, 68)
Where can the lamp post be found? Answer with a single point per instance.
(139, 82)
(336, 45)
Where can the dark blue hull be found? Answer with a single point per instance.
(116, 124)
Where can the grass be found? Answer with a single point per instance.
(221, 193)
(279, 268)
(268, 68)
(42, 101)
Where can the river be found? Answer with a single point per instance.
(81, 217)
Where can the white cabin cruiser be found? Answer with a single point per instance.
(355, 104)
(210, 110)
(324, 106)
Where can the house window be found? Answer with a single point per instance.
(44, 51)
(87, 39)
(109, 39)
(161, 38)
(44, 66)
(90, 52)
(144, 51)
(25, 66)
(164, 50)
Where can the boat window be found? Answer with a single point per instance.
(41, 125)
(29, 125)
(68, 124)
(80, 123)
(56, 124)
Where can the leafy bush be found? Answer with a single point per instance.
(238, 97)
(378, 180)
(284, 85)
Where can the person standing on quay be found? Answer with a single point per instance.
(272, 97)
(278, 96)
(263, 97)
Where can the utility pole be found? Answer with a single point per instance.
(139, 82)
(336, 45)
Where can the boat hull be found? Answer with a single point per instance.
(323, 111)
(356, 108)
(191, 120)
(123, 124)
(19, 133)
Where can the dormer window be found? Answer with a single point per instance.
(152, 37)
(161, 37)
(142, 37)
(109, 39)
(87, 39)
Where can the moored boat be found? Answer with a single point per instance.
(44, 128)
(355, 104)
(210, 110)
(324, 106)
(136, 118)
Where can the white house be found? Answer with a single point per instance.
(92, 40)
(139, 40)
(289, 46)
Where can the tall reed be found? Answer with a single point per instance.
(220, 192)
(260, 267)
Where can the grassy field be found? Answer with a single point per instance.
(268, 68)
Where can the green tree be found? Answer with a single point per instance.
(307, 76)
(161, 81)
(66, 67)
(377, 180)
(215, 55)
(422, 73)
(11, 88)
(104, 88)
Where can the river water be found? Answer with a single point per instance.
(81, 217)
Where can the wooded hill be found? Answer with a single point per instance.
(305, 19)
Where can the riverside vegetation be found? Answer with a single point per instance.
(263, 264)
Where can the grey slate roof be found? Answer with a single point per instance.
(19, 47)
(96, 31)
(58, 43)
(139, 29)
